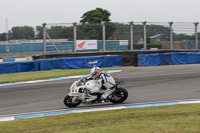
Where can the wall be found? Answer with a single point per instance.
(111, 45)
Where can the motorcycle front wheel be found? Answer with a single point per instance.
(68, 102)
(119, 95)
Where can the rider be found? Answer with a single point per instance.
(103, 80)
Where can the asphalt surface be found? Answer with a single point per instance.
(145, 84)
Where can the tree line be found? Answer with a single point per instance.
(90, 27)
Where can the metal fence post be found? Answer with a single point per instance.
(6, 30)
(74, 37)
(44, 39)
(171, 35)
(145, 35)
(196, 35)
(131, 37)
(104, 35)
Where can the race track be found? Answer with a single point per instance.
(145, 84)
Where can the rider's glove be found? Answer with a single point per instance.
(83, 79)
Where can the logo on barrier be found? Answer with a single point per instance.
(93, 62)
(86, 44)
(80, 45)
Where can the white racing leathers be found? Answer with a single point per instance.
(107, 81)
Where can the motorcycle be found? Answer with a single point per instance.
(76, 94)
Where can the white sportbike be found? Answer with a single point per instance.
(76, 94)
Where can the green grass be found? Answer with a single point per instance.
(26, 76)
(165, 119)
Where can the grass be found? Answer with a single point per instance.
(165, 119)
(27, 76)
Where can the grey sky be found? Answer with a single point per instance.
(36, 12)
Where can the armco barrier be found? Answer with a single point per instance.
(168, 58)
(62, 63)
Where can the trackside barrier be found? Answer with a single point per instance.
(168, 58)
(78, 62)
(148, 60)
(16, 67)
(16, 60)
(62, 63)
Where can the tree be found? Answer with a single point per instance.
(3, 37)
(67, 32)
(180, 37)
(96, 16)
(54, 32)
(90, 31)
(60, 32)
(24, 32)
(39, 32)
(92, 28)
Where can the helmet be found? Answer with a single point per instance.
(95, 71)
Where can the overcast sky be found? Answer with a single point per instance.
(36, 12)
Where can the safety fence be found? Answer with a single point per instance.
(168, 58)
(139, 35)
(61, 63)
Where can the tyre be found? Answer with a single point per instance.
(119, 95)
(68, 102)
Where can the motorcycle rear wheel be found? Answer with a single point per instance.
(68, 102)
(119, 95)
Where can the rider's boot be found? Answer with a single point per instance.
(102, 99)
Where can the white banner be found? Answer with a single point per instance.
(86, 44)
(123, 42)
